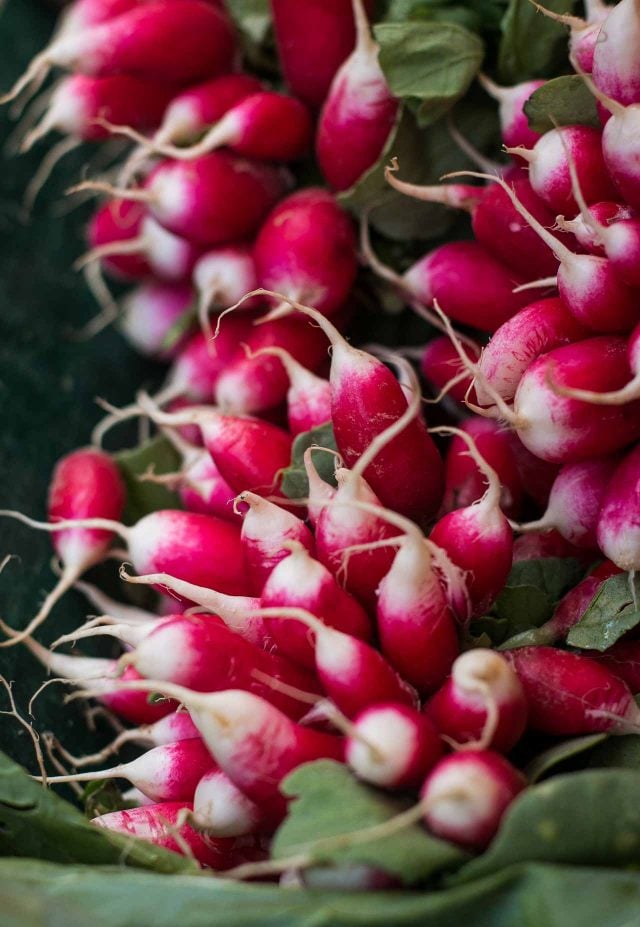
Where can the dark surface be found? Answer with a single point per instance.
(47, 385)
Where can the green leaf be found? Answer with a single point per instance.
(532, 44)
(295, 484)
(564, 101)
(621, 752)
(36, 822)
(329, 801)
(611, 614)
(252, 16)
(429, 64)
(561, 753)
(143, 497)
(101, 797)
(590, 817)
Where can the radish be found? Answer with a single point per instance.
(306, 250)
(300, 581)
(313, 37)
(623, 659)
(482, 704)
(619, 518)
(162, 825)
(569, 694)
(220, 809)
(81, 14)
(540, 544)
(442, 368)
(212, 200)
(584, 34)
(120, 223)
(123, 614)
(222, 277)
(169, 772)
(514, 125)
(464, 481)
(575, 501)
(148, 315)
(319, 491)
(359, 108)
(134, 43)
(615, 67)
(392, 746)
(478, 538)
(267, 532)
(586, 226)
(466, 795)
(537, 476)
(86, 484)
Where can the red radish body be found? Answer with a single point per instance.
(535, 330)
(620, 149)
(120, 222)
(535, 474)
(631, 389)
(464, 481)
(575, 501)
(569, 694)
(466, 795)
(161, 824)
(392, 746)
(306, 250)
(221, 278)
(267, 532)
(441, 366)
(299, 581)
(135, 43)
(615, 67)
(514, 124)
(619, 519)
(149, 313)
(199, 365)
(81, 14)
(358, 114)
(169, 772)
(482, 702)
(308, 396)
(222, 810)
(313, 37)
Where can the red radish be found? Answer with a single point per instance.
(575, 501)
(535, 474)
(80, 14)
(570, 694)
(169, 772)
(442, 368)
(514, 124)
(628, 392)
(86, 484)
(623, 658)
(162, 825)
(352, 673)
(549, 169)
(464, 481)
(313, 37)
(615, 67)
(308, 396)
(584, 33)
(319, 490)
(482, 704)
(211, 200)
(358, 114)
(466, 795)
(306, 250)
(256, 382)
(535, 330)
(134, 43)
(478, 538)
(253, 742)
(148, 315)
(220, 809)
(392, 746)
(267, 531)
(120, 222)
(619, 519)
(585, 227)
(221, 278)
(299, 581)
(539, 544)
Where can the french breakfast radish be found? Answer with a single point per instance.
(616, 71)
(619, 518)
(514, 125)
(220, 809)
(149, 312)
(308, 397)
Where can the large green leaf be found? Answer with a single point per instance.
(564, 101)
(611, 614)
(532, 44)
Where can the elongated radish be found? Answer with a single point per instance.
(220, 809)
(319, 490)
(161, 824)
(149, 313)
(308, 396)
(392, 746)
(442, 368)
(482, 704)
(134, 43)
(575, 501)
(569, 694)
(306, 250)
(313, 37)
(466, 795)
(300, 581)
(514, 125)
(267, 530)
(619, 519)
(358, 114)
(615, 67)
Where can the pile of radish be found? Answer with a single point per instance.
(343, 625)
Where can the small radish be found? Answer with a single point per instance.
(536, 475)
(220, 809)
(584, 34)
(313, 38)
(319, 491)
(586, 227)
(576, 500)
(306, 250)
(442, 368)
(135, 42)
(80, 14)
(86, 484)
(267, 532)
(121, 222)
(300, 581)
(514, 125)
(148, 315)
(615, 66)
(308, 396)
(161, 824)
(482, 704)
(569, 694)
(619, 519)
(466, 795)
(478, 538)
(358, 114)
(392, 746)
(222, 277)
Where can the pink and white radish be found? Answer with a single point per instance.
(584, 34)
(442, 368)
(308, 397)
(319, 490)
(220, 809)
(514, 125)
(149, 313)
(619, 519)
(585, 227)
(616, 71)
(267, 531)
(221, 278)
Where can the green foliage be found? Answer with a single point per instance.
(144, 497)
(532, 45)
(611, 614)
(563, 101)
(295, 484)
